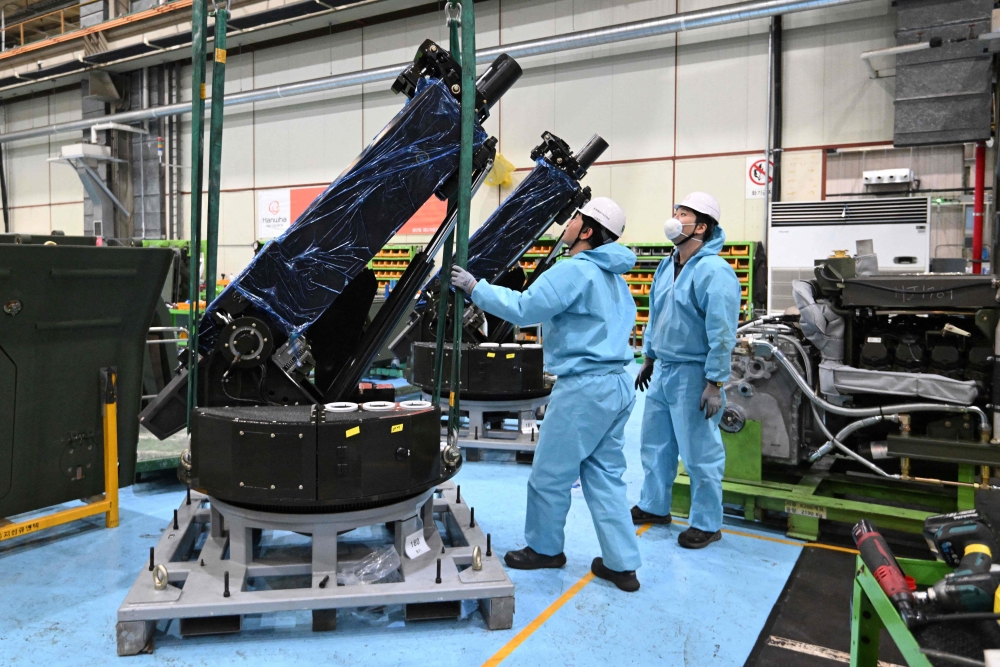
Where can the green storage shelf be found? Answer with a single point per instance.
(739, 254)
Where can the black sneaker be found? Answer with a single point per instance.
(639, 517)
(626, 581)
(692, 538)
(529, 559)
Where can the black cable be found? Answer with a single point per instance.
(968, 616)
(236, 398)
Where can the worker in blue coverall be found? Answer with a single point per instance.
(587, 313)
(694, 307)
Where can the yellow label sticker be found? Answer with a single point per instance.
(202, 91)
(510, 356)
(490, 355)
(352, 431)
(451, 399)
(397, 428)
(220, 56)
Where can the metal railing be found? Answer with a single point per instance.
(43, 26)
(162, 341)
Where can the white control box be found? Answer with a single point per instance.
(880, 176)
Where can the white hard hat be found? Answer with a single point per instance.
(607, 213)
(703, 203)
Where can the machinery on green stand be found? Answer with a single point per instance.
(872, 401)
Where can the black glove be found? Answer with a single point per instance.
(645, 373)
(711, 400)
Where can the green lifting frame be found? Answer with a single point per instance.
(461, 254)
(199, 48)
(215, 149)
(449, 242)
(199, 29)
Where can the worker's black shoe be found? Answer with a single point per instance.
(626, 581)
(640, 517)
(692, 538)
(529, 559)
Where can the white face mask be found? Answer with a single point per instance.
(673, 228)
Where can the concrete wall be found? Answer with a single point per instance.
(680, 112)
(43, 195)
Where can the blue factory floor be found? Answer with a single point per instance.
(60, 590)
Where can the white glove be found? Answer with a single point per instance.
(462, 279)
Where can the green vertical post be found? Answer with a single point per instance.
(215, 151)
(449, 242)
(199, 26)
(966, 496)
(866, 629)
(461, 258)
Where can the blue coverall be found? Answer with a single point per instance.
(587, 314)
(691, 334)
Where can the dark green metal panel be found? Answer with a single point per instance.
(215, 152)
(79, 310)
(8, 377)
(949, 451)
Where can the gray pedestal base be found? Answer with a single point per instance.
(477, 436)
(197, 592)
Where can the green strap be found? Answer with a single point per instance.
(199, 27)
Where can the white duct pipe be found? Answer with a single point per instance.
(703, 18)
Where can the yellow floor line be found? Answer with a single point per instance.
(794, 543)
(529, 629)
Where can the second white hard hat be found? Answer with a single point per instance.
(702, 202)
(607, 213)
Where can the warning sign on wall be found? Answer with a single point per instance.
(758, 177)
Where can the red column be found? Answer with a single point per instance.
(977, 209)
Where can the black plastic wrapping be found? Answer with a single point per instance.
(517, 222)
(298, 275)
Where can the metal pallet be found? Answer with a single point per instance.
(478, 437)
(209, 593)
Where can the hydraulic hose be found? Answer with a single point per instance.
(871, 416)
(838, 440)
(832, 440)
(766, 349)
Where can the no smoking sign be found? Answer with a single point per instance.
(759, 175)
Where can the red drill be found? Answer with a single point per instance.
(878, 558)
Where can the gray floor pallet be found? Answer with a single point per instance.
(205, 605)
(477, 437)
